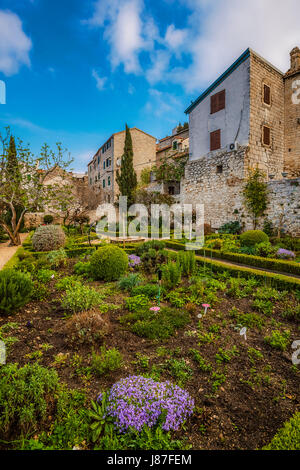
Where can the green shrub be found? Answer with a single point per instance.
(79, 298)
(265, 249)
(67, 283)
(107, 361)
(137, 302)
(48, 238)
(45, 275)
(128, 283)
(82, 268)
(26, 397)
(253, 237)
(15, 290)
(48, 219)
(231, 227)
(148, 290)
(171, 274)
(108, 263)
(57, 258)
(264, 306)
(288, 437)
(279, 340)
(187, 262)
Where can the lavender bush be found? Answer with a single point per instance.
(136, 401)
(285, 254)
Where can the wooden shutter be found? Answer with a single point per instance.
(221, 100)
(266, 135)
(217, 102)
(267, 94)
(213, 104)
(215, 140)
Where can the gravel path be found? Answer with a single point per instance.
(6, 252)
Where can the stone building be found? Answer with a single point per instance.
(173, 146)
(102, 169)
(249, 117)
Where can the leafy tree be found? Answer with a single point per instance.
(126, 178)
(256, 195)
(24, 182)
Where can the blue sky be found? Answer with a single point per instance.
(76, 70)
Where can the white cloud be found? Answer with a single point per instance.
(14, 44)
(214, 35)
(163, 104)
(175, 38)
(125, 30)
(100, 81)
(160, 65)
(228, 27)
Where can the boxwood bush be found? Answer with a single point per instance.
(253, 237)
(15, 290)
(108, 263)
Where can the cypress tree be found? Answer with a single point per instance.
(126, 178)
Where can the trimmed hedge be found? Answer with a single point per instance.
(277, 280)
(290, 267)
(288, 437)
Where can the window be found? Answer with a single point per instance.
(217, 102)
(219, 169)
(104, 165)
(103, 184)
(108, 162)
(267, 94)
(171, 190)
(215, 140)
(266, 135)
(175, 145)
(108, 181)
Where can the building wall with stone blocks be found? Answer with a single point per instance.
(270, 159)
(222, 193)
(292, 115)
(284, 205)
(216, 182)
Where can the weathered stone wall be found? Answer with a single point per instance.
(284, 205)
(292, 116)
(221, 193)
(204, 183)
(268, 159)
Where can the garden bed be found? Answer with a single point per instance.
(244, 389)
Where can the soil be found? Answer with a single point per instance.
(237, 416)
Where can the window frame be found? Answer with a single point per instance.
(216, 132)
(266, 126)
(216, 104)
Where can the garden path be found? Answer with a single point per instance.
(6, 251)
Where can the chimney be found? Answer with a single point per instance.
(295, 60)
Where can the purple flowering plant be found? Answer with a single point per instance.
(134, 261)
(285, 254)
(136, 402)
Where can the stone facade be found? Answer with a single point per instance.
(222, 193)
(216, 178)
(102, 170)
(219, 191)
(292, 115)
(270, 159)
